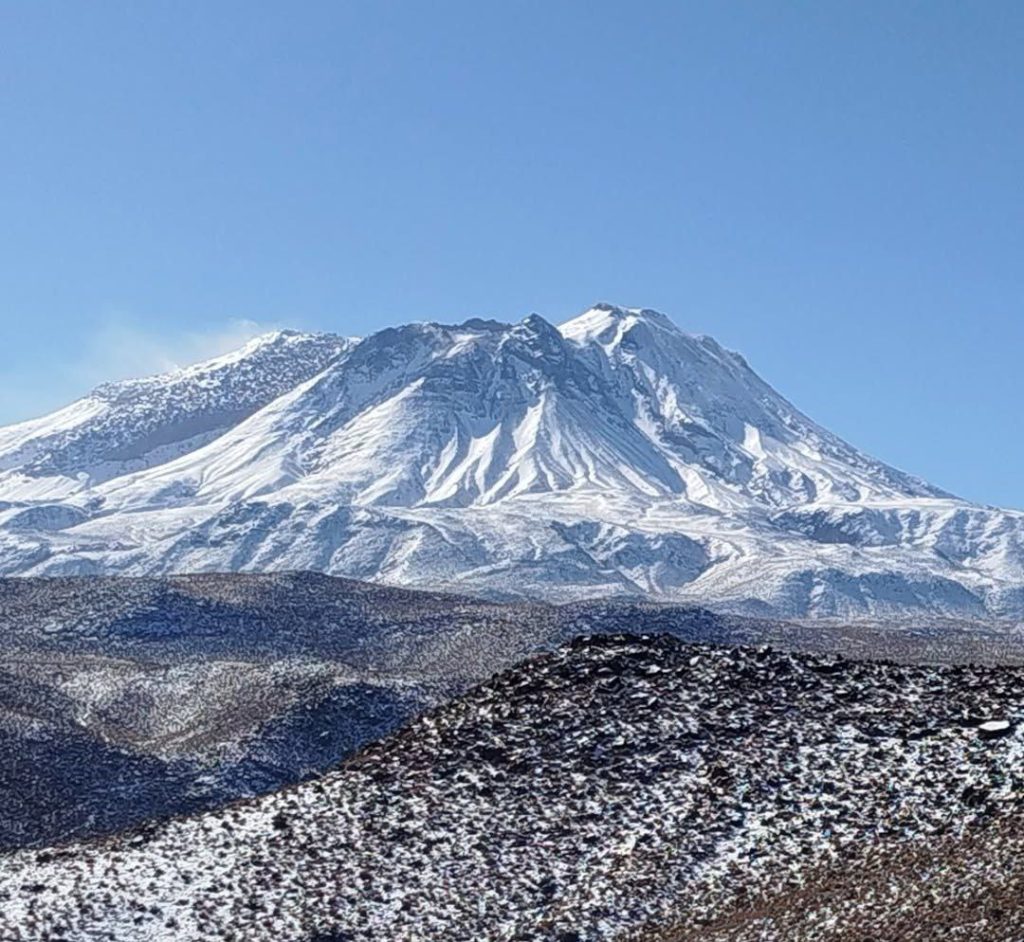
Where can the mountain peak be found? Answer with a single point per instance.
(271, 338)
(537, 326)
(282, 339)
(605, 322)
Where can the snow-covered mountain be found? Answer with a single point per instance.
(614, 454)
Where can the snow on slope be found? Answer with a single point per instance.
(706, 406)
(613, 455)
(137, 423)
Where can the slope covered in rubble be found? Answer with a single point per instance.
(616, 784)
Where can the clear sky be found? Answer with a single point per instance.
(832, 188)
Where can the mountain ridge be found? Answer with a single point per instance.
(613, 454)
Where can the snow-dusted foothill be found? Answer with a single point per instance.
(614, 455)
(128, 699)
(123, 699)
(614, 785)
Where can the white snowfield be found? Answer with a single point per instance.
(615, 454)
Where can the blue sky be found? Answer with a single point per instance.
(833, 189)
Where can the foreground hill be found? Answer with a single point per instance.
(612, 786)
(614, 455)
(127, 699)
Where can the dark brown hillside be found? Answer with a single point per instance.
(966, 887)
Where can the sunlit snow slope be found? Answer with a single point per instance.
(615, 454)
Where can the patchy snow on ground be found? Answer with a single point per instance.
(616, 783)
